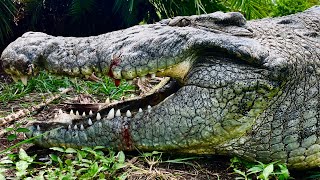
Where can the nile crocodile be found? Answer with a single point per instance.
(249, 89)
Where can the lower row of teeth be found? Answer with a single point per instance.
(112, 113)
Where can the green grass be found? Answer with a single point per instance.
(258, 170)
(46, 83)
(85, 163)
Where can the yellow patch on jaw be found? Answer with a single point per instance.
(178, 71)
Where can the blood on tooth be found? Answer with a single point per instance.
(117, 82)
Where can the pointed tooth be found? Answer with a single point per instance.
(128, 113)
(149, 108)
(84, 114)
(38, 128)
(89, 122)
(55, 116)
(77, 113)
(107, 101)
(118, 113)
(130, 82)
(142, 78)
(111, 114)
(69, 127)
(24, 80)
(15, 78)
(98, 116)
(81, 127)
(140, 110)
(90, 113)
(153, 75)
(75, 127)
(60, 111)
(71, 112)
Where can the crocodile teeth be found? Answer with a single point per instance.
(140, 110)
(118, 113)
(75, 127)
(38, 128)
(71, 112)
(128, 113)
(69, 127)
(89, 122)
(90, 113)
(24, 80)
(153, 75)
(98, 116)
(107, 101)
(77, 113)
(81, 127)
(110, 114)
(60, 111)
(83, 114)
(149, 108)
(142, 78)
(15, 78)
(55, 116)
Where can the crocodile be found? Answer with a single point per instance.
(244, 88)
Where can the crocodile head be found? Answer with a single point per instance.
(245, 88)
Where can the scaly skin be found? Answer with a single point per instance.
(248, 89)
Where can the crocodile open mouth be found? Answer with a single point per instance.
(79, 116)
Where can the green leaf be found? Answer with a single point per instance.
(22, 165)
(22, 130)
(11, 137)
(54, 157)
(70, 150)
(267, 171)
(58, 149)
(24, 156)
(9, 129)
(68, 162)
(240, 172)
(121, 157)
(6, 161)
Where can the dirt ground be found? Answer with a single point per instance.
(207, 167)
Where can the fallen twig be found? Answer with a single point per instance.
(24, 112)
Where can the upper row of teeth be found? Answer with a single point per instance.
(110, 115)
